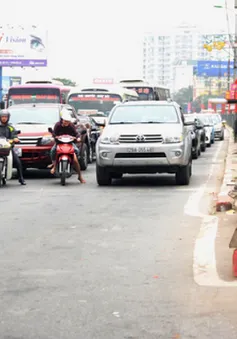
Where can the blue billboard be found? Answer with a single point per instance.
(213, 68)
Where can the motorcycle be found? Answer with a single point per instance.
(6, 161)
(64, 156)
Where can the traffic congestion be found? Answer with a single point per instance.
(135, 129)
(101, 223)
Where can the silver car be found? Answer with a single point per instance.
(218, 125)
(144, 137)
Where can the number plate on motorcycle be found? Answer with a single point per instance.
(18, 151)
(140, 150)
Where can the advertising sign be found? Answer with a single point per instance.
(213, 68)
(103, 81)
(23, 47)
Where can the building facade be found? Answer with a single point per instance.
(169, 55)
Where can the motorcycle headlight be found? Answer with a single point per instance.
(110, 140)
(46, 140)
(173, 140)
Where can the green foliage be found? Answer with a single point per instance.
(66, 82)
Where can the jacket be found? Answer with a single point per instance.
(8, 131)
(70, 130)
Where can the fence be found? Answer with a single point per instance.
(229, 118)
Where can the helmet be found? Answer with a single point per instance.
(5, 113)
(65, 115)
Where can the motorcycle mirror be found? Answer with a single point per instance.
(83, 132)
(50, 130)
(18, 132)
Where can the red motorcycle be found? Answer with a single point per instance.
(64, 157)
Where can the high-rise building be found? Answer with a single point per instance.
(164, 52)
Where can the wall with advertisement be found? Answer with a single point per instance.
(213, 68)
(23, 46)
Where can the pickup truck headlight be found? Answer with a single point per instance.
(173, 140)
(114, 140)
(46, 140)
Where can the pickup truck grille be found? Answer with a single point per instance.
(29, 141)
(135, 138)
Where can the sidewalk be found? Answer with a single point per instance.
(224, 201)
(226, 240)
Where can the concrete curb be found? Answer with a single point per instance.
(224, 201)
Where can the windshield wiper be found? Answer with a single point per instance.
(123, 123)
(30, 123)
(153, 122)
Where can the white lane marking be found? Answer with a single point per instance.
(204, 259)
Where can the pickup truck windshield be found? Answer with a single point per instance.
(143, 114)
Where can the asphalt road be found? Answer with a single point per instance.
(82, 261)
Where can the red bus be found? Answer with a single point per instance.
(37, 93)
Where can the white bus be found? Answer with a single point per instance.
(96, 98)
(45, 81)
(145, 90)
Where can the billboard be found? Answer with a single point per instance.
(213, 68)
(23, 46)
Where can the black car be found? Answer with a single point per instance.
(198, 135)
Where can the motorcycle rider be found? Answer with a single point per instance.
(9, 132)
(65, 126)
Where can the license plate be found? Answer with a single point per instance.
(140, 150)
(18, 151)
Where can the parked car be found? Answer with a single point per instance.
(33, 120)
(218, 126)
(144, 137)
(198, 138)
(209, 128)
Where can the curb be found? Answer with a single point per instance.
(224, 201)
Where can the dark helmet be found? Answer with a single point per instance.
(5, 113)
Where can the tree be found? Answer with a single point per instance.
(66, 82)
(183, 96)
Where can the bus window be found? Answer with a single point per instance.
(93, 101)
(20, 95)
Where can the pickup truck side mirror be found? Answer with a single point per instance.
(188, 123)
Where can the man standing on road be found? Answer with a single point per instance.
(235, 129)
(9, 132)
(65, 126)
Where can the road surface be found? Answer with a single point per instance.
(116, 262)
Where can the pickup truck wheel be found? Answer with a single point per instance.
(84, 157)
(195, 154)
(90, 155)
(203, 147)
(103, 177)
(184, 174)
(117, 175)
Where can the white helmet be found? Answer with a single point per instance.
(65, 115)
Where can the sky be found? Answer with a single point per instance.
(103, 38)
